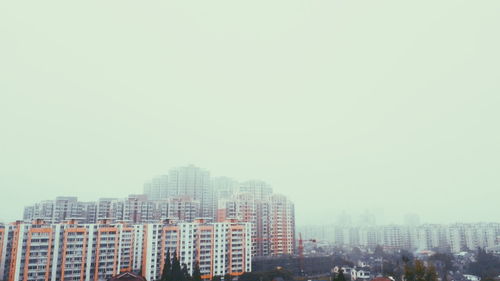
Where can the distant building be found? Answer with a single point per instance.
(60, 209)
(272, 218)
(187, 181)
(369, 237)
(193, 182)
(432, 236)
(454, 238)
(260, 190)
(224, 187)
(133, 209)
(157, 188)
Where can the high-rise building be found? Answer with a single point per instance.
(107, 208)
(369, 237)
(393, 237)
(281, 225)
(272, 218)
(437, 237)
(133, 209)
(193, 182)
(70, 251)
(219, 248)
(60, 209)
(157, 188)
(183, 209)
(188, 181)
(259, 189)
(224, 187)
(432, 237)
(457, 238)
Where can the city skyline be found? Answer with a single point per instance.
(187, 194)
(250, 140)
(355, 218)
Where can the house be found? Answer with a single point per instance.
(362, 275)
(471, 277)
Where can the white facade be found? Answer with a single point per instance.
(84, 252)
(219, 248)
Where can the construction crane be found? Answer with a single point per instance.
(301, 252)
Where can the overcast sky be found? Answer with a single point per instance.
(341, 105)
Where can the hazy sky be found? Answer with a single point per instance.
(341, 105)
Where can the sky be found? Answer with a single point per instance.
(340, 105)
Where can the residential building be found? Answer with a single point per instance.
(272, 219)
(70, 251)
(157, 188)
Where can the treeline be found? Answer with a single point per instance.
(312, 265)
(417, 271)
(487, 266)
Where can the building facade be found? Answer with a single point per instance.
(133, 209)
(70, 251)
(272, 220)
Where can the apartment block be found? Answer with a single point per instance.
(219, 248)
(67, 251)
(70, 251)
(272, 220)
(133, 209)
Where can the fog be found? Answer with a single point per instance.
(348, 106)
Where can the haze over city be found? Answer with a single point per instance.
(340, 107)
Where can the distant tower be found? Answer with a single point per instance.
(157, 188)
(184, 182)
(193, 182)
(224, 187)
(259, 189)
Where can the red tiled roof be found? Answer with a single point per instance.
(127, 276)
(381, 279)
